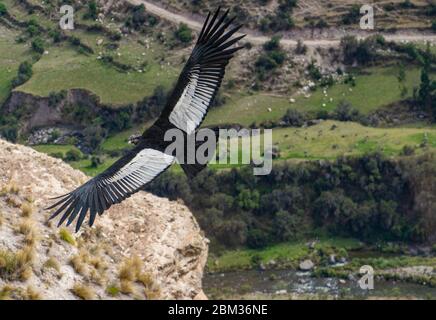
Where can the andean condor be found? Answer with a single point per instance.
(196, 87)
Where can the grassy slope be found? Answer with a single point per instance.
(63, 68)
(378, 88)
(320, 141)
(315, 142)
(11, 55)
(291, 252)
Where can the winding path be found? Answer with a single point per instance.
(193, 23)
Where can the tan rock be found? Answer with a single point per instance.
(162, 233)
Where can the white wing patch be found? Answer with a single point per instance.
(143, 168)
(193, 103)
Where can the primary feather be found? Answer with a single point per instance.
(196, 87)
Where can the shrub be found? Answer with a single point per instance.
(321, 24)
(113, 290)
(26, 209)
(73, 155)
(273, 57)
(314, 71)
(95, 161)
(139, 18)
(38, 45)
(407, 150)
(257, 239)
(301, 47)
(294, 118)
(56, 35)
(345, 112)
(433, 25)
(352, 16)
(272, 44)
(430, 10)
(24, 74)
(3, 9)
(184, 33)
(14, 265)
(130, 269)
(66, 236)
(58, 155)
(92, 11)
(52, 263)
(83, 292)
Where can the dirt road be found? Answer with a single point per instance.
(196, 23)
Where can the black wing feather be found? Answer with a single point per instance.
(203, 72)
(112, 186)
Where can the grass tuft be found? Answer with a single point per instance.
(17, 266)
(6, 292)
(113, 290)
(130, 269)
(32, 294)
(52, 263)
(66, 236)
(83, 292)
(26, 209)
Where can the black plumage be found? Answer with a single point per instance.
(196, 87)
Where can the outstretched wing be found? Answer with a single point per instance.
(202, 75)
(124, 178)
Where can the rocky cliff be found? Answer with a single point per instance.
(144, 248)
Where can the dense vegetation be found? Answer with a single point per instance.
(370, 198)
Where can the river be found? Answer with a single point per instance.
(285, 284)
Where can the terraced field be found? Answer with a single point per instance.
(376, 88)
(11, 55)
(64, 68)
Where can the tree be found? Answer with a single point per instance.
(401, 80)
(38, 45)
(3, 9)
(272, 44)
(92, 12)
(73, 155)
(426, 95)
(184, 33)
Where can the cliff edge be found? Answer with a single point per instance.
(144, 248)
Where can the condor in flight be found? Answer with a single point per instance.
(189, 102)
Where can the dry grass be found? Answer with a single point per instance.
(126, 287)
(98, 263)
(97, 277)
(10, 188)
(131, 271)
(6, 292)
(26, 273)
(14, 266)
(78, 262)
(83, 292)
(66, 236)
(1, 219)
(31, 294)
(52, 263)
(28, 229)
(26, 209)
(93, 268)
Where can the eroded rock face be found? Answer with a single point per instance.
(163, 234)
